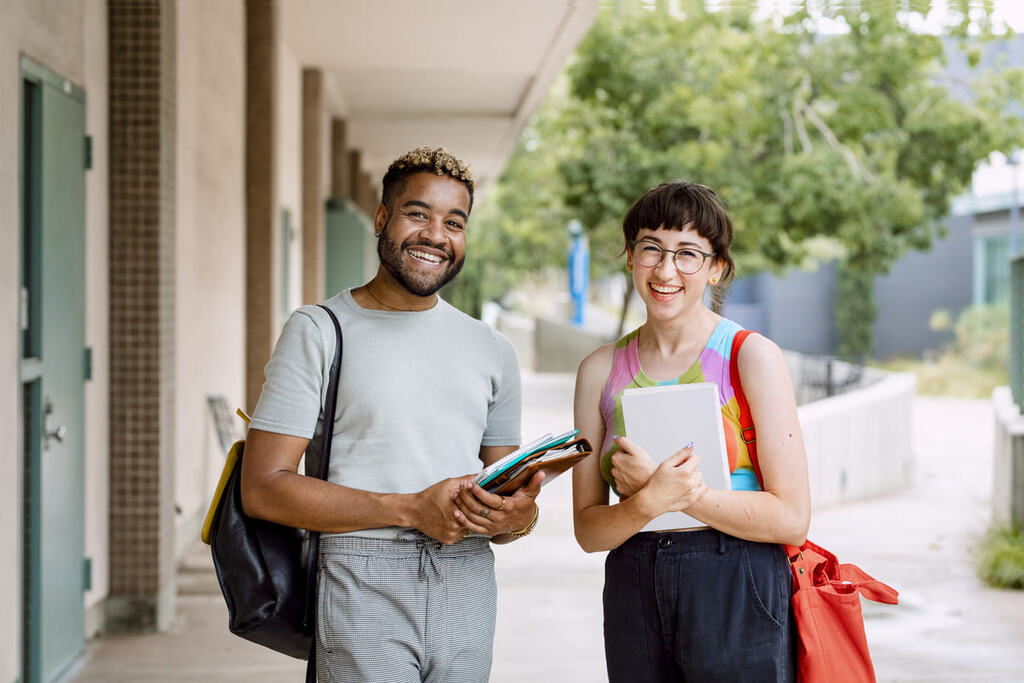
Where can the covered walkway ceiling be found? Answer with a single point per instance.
(465, 74)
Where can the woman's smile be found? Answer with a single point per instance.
(663, 292)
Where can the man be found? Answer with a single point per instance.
(427, 396)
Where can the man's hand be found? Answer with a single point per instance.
(493, 515)
(632, 467)
(435, 510)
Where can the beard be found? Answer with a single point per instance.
(420, 284)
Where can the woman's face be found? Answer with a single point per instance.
(666, 291)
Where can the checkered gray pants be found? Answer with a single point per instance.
(405, 611)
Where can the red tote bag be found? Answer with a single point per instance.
(831, 644)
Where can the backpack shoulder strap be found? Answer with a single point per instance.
(747, 431)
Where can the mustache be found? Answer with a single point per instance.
(422, 242)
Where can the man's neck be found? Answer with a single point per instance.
(380, 295)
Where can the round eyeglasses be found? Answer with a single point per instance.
(686, 260)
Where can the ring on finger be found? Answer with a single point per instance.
(502, 506)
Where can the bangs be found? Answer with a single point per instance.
(677, 206)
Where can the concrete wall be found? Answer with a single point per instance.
(521, 330)
(210, 264)
(1008, 464)
(799, 310)
(559, 346)
(918, 285)
(794, 310)
(859, 443)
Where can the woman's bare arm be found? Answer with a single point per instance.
(674, 485)
(781, 512)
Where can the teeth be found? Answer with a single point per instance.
(662, 289)
(422, 256)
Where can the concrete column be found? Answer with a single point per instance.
(367, 199)
(354, 167)
(142, 161)
(340, 185)
(262, 35)
(313, 141)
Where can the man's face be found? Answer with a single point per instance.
(422, 241)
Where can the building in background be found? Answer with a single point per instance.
(178, 176)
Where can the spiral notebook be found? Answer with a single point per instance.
(663, 419)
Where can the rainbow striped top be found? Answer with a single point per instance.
(711, 366)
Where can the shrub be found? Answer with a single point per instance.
(1001, 558)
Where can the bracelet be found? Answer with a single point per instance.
(525, 531)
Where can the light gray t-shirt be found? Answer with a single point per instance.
(419, 394)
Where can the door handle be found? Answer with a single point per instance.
(58, 434)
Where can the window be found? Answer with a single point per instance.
(992, 269)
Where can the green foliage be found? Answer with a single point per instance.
(855, 311)
(844, 140)
(1001, 558)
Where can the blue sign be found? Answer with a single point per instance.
(579, 271)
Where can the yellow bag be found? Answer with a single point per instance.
(225, 474)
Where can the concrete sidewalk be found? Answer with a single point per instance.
(948, 627)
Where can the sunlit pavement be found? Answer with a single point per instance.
(949, 627)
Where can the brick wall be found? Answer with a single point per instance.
(142, 224)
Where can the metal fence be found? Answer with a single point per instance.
(817, 376)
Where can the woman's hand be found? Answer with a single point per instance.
(631, 467)
(676, 483)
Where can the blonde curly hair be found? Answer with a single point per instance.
(424, 160)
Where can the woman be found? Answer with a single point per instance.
(710, 604)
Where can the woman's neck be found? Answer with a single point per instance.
(668, 348)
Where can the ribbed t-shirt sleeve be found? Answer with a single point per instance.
(505, 410)
(290, 402)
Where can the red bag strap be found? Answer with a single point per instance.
(747, 431)
(868, 586)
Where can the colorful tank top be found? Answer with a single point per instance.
(711, 366)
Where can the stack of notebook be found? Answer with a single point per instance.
(550, 454)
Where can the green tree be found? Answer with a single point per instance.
(822, 145)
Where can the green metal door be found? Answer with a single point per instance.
(351, 247)
(53, 367)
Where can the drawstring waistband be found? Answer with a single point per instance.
(408, 543)
(428, 553)
(428, 550)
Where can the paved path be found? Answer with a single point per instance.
(949, 627)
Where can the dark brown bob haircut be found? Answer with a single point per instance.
(678, 205)
(436, 160)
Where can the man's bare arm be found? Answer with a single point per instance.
(272, 489)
